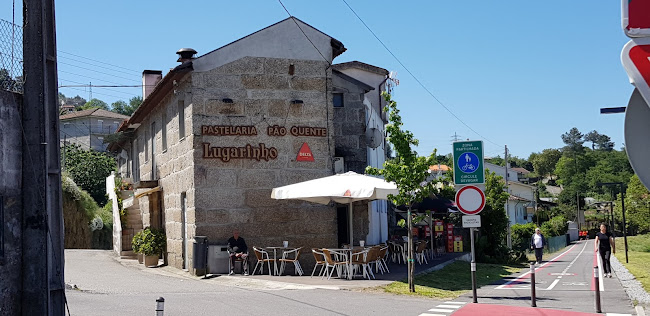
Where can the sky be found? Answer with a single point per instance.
(518, 73)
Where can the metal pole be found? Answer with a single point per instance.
(473, 266)
(533, 296)
(160, 306)
(624, 222)
(597, 289)
(509, 238)
(410, 253)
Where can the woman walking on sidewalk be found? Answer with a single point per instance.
(605, 246)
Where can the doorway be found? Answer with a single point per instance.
(184, 228)
(342, 225)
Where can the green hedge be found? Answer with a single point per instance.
(521, 234)
(556, 226)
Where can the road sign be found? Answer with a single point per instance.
(636, 61)
(471, 221)
(470, 200)
(637, 143)
(636, 20)
(468, 162)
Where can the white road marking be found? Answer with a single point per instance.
(427, 314)
(601, 275)
(440, 310)
(567, 268)
(459, 303)
(615, 314)
(448, 306)
(553, 284)
(524, 274)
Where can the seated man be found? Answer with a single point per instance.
(237, 249)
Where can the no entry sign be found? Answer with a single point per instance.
(636, 61)
(470, 200)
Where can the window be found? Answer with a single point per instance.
(145, 142)
(181, 119)
(153, 139)
(100, 125)
(136, 161)
(338, 100)
(164, 131)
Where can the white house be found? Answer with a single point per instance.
(521, 202)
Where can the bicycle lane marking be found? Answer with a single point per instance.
(598, 263)
(567, 268)
(527, 274)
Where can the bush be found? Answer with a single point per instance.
(556, 226)
(521, 234)
(136, 242)
(153, 241)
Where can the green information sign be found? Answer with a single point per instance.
(468, 163)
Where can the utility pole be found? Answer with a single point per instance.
(43, 291)
(509, 237)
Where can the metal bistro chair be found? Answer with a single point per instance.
(291, 256)
(419, 252)
(380, 263)
(363, 259)
(262, 256)
(320, 261)
(334, 264)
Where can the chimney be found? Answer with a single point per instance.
(150, 79)
(185, 54)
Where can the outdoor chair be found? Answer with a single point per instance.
(419, 252)
(397, 252)
(334, 264)
(242, 262)
(262, 257)
(291, 256)
(320, 261)
(380, 263)
(363, 259)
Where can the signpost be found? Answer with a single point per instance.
(468, 163)
(470, 200)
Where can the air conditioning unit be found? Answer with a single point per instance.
(339, 165)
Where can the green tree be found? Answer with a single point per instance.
(573, 140)
(492, 245)
(544, 162)
(637, 207)
(407, 170)
(124, 108)
(89, 169)
(94, 104)
(135, 102)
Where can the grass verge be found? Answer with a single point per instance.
(453, 280)
(638, 255)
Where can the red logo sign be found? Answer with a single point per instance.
(636, 20)
(636, 61)
(304, 154)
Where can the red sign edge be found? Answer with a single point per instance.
(460, 208)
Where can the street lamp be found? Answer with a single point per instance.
(622, 186)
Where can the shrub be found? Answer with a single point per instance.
(136, 242)
(153, 241)
(521, 234)
(556, 226)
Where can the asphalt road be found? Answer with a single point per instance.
(564, 282)
(107, 287)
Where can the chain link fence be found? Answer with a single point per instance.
(11, 57)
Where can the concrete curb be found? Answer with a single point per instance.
(639, 310)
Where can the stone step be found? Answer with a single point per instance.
(128, 254)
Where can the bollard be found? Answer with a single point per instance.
(160, 306)
(597, 287)
(533, 298)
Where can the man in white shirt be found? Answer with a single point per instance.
(537, 243)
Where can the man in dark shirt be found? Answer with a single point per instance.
(237, 249)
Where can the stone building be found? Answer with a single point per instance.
(219, 131)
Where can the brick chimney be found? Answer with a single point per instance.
(149, 80)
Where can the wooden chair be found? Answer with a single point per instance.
(419, 252)
(320, 261)
(334, 264)
(363, 259)
(262, 256)
(291, 256)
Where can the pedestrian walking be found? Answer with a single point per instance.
(605, 246)
(537, 243)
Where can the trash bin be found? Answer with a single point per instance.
(200, 249)
(218, 259)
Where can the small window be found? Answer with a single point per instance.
(181, 119)
(145, 141)
(338, 100)
(164, 131)
(153, 138)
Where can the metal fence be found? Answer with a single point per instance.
(556, 243)
(11, 57)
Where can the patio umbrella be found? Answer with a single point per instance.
(343, 188)
(433, 204)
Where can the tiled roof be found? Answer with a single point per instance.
(93, 112)
(439, 167)
(521, 170)
(360, 65)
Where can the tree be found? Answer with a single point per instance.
(95, 104)
(573, 140)
(637, 207)
(124, 108)
(6, 81)
(135, 102)
(77, 101)
(494, 222)
(599, 141)
(544, 162)
(407, 170)
(89, 169)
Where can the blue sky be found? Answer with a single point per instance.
(519, 73)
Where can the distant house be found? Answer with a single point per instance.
(88, 128)
(521, 203)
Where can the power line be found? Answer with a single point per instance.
(97, 61)
(75, 74)
(303, 32)
(91, 64)
(83, 85)
(97, 71)
(414, 77)
(105, 94)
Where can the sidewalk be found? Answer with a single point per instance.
(285, 282)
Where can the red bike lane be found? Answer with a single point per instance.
(498, 310)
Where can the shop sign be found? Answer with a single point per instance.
(304, 154)
(260, 152)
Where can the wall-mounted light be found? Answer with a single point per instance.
(226, 100)
(297, 102)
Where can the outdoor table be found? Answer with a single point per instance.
(275, 256)
(348, 254)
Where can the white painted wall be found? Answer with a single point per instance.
(281, 40)
(377, 210)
